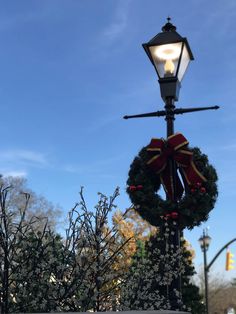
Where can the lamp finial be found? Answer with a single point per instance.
(169, 27)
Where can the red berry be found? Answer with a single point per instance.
(203, 190)
(198, 184)
(193, 190)
(139, 187)
(132, 188)
(174, 215)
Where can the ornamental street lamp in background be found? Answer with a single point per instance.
(204, 242)
(170, 55)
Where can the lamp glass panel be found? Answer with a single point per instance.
(166, 58)
(201, 242)
(207, 240)
(184, 62)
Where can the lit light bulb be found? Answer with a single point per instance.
(168, 53)
(169, 67)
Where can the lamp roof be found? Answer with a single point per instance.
(167, 36)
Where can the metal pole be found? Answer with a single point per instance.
(175, 240)
(170, 116)
(207, 267)
(205, 275)
(218, 253)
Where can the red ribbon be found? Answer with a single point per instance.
(174, 148)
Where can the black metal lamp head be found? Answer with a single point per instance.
(204, 241)
(170, 54)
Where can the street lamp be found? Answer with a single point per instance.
(204, 242)
(170, 55)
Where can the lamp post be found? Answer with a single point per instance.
(204, 242)
(170, 55)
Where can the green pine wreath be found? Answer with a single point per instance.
(194, 206)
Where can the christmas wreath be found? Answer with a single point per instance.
(195, 187)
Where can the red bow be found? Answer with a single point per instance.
(173, 149)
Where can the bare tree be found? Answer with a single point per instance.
(93, 277)
(221, 294)
(41, 271)
(13, 229)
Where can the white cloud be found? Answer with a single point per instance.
(13, 173)
(17, 163)
(231, 147)
(97, 167)
(116, 28)
(22, 156)
(73, 169)
(24, 16)
(120, 22)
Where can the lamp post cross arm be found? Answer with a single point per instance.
(219, 252)
(186, 110)
(162, 113)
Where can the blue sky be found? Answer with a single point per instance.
(69, 71)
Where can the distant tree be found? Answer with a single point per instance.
(38, 206)
(233, 282)
(132, 220)
(130, 225)
(221, 300)
(221, 292)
